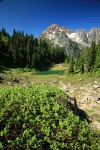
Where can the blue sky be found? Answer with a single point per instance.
(34, 16)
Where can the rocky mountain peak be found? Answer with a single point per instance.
(66, 30)
(53, 26)
(64, 37)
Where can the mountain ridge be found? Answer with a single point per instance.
(63, 36)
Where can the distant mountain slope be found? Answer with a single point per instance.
(58, 36)
(65, 37)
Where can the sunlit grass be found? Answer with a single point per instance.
(56, 72)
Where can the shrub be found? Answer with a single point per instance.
(36, 117)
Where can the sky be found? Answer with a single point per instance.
(34, 16)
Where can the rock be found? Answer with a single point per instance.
(80, 79)
(24, 84)
(89, 84)
(15, 80)
(66, 90)
(33, 83)
(96, 124)
(98, 99)
(98, 102)
(71, 91)
(54, 81)
(84, 99)
(9, 83)
(12, 84)
(78, 101)
(96, 86)
(44, 83)
(95, 82)
(81, 88)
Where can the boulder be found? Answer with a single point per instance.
(95, 82)
(98, 99)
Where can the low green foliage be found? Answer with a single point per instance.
(36, 117)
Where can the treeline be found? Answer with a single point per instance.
(87, 60)
(23, 50)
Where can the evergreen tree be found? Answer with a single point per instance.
(13, 47)
(71, 66)
(97, 60)
(41, 56)
(82, 68)
(91, 57)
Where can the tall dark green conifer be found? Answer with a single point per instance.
(97, 60)
(91, 57)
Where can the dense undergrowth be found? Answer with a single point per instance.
(39, 118)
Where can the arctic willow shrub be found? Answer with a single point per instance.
(36, 117)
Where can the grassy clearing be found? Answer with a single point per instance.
(36, 76)
(57, 72)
